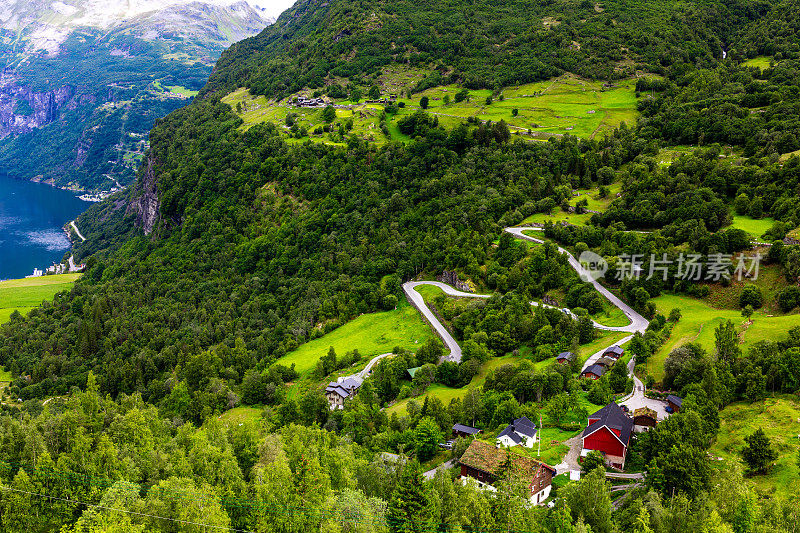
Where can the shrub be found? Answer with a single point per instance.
(751, 295)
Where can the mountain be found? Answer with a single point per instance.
(263, 249)
(83, 82)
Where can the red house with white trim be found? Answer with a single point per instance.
(609, 432)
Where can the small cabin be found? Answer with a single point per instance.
(594, 372)
(614, 351)
(644, 419)
(674, 403)
(565, 358)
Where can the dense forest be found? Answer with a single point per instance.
(261, 245)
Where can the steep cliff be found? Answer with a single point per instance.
(22, 109)
(79, 92)
(144, 203)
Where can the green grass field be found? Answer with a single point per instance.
(183, 91)
(595, 203)
(761, 62)
(780, 419)
(24, 294)
(370, 334)
(699, 321)
(755, 227)
(564, 105)
(240, 415)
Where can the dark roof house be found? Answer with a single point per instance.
(614, 351)
(338, 391)
(595, 371)
(519, 432)
(565, 357)
(674, 402)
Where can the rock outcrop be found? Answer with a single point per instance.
(451, 278)
(145, 204)
(23, 110)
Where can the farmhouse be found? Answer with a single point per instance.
(594, 372)
(644, 418)
(460, 430)
(484, 463)
(674, 402)
(614, 351)
(302, 101)
(519, 432)
(565, 358)
(608, 431)
(338, 391)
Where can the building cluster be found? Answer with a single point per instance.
(606, 361)
(303, 101)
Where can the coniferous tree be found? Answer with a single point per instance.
(410, 509)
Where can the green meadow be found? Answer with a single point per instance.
(756, 227)
(594, 203)
(240, 415)
(24, 294)
(761, 62)
(699, 320)
(780, 419)
(371, 334)
(564, 105)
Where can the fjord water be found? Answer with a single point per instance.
(32, 216)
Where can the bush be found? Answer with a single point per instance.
(789, 298)
(751, 295)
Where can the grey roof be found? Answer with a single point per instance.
(597, 370)
(677, 400)
(615, 349)
(614, 417)
(469, 430)
(338, 390)
(520, 427)
(569, 356)
(345, 388)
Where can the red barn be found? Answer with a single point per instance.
(609, 432)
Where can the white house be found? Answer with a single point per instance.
(520, 432)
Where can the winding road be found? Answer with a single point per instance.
(637, 321)
(80, 235)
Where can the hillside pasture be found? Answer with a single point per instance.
(371, 334)
(24, 294)
(564, 105)
(779, 417)
(699, 320)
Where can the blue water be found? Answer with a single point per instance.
(31, 219)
